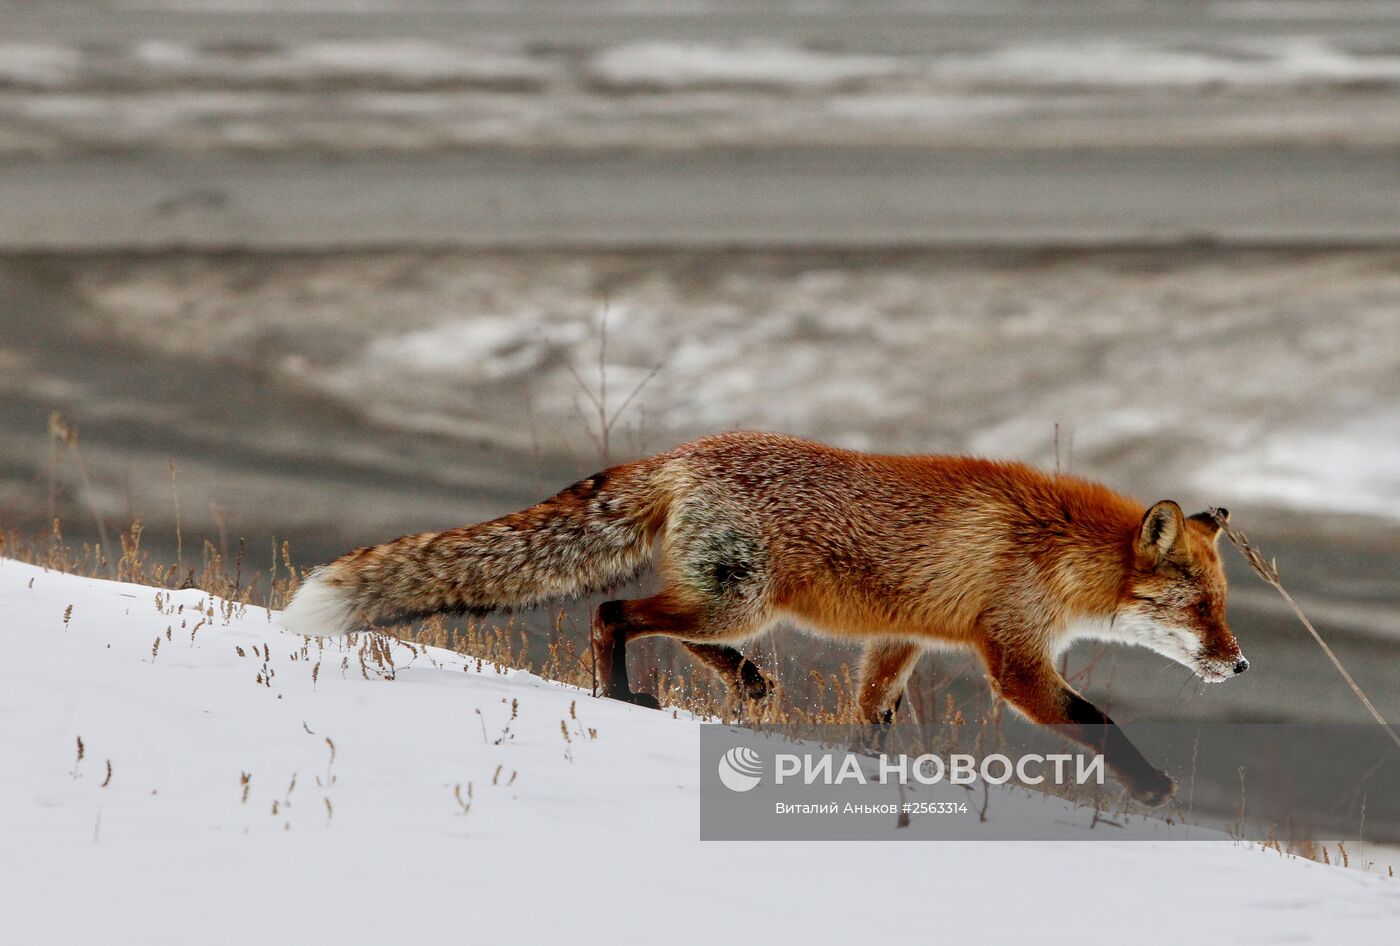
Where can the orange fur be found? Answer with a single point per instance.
(898, 551)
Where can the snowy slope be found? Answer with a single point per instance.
(594, 841)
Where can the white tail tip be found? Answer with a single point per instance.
(319, 609)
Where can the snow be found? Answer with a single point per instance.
(391, 60)
(37, 63)
(943, 355)
(1352, 466)
(593, 840)
(505, 80)
(1110, 63)
(1114, 62)
(677, 65)
(485, 349)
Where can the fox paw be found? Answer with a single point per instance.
(1153, 790)
(756, 688)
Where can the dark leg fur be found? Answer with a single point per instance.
(737, 670)
(1095, 730)
(611, 629)
(1037, 690)
(668, 615)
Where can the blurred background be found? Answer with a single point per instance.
(336, 271)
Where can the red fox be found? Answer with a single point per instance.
(900, 552)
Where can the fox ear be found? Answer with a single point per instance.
(1213, 519)
(1161, 529)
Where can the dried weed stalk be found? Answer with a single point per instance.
(1268, 571)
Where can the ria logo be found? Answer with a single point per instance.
(740, 769)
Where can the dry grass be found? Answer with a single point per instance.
(931, 719)
(939, 723)
(1267, 569)
(494, 644)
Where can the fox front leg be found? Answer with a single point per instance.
(740, 674)
(1144, 781)
(884, 670)
(1037, 690)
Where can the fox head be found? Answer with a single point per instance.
(1174, 602)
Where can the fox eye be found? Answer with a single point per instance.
(1146, 599)
(1203, 608)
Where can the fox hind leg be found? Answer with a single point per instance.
(668, 614)
(613, 625)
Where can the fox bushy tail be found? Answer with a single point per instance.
(593, 535)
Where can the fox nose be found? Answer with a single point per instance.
(1241, 666)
